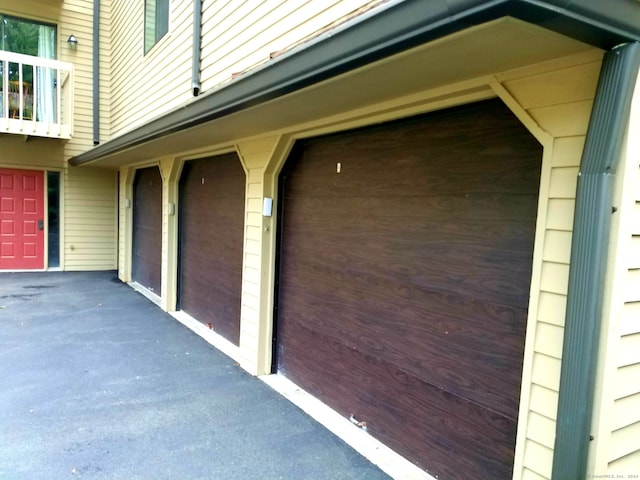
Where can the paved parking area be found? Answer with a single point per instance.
(96, 382)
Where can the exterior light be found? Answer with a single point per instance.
(72, 41)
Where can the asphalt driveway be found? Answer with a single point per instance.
(96, 382)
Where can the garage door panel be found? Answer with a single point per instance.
(483, 219)
(428, 417)
(456, 268)
(436, 183)
(211, 235)
(398, 154)
(469, 364)
(444, 211)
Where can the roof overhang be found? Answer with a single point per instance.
(393, 50)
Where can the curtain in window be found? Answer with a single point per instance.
(45, 77)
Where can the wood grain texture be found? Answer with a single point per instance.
(404, 281)
(211, 234)
(147, 228)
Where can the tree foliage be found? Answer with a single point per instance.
(19, 36)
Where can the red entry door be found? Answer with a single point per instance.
(21, 219)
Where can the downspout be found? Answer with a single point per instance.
(591, 230)
(96, 72)
(197, 50)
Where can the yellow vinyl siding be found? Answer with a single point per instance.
(144, 86)
(616, 427)
(629, 320)
(236, 37)
(76, 17)
(624, 456)
(258, 250)
(105, 71)
(626, 411)
(240, 35)
(90, 219)
(559, 100)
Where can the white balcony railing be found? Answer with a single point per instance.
(36, 96)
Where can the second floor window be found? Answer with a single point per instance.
(20, 81)
(156, 22)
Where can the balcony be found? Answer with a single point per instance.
(36, 96)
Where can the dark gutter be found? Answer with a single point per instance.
(373, 36)
(196, 55)
(96, 72)
(585, 297)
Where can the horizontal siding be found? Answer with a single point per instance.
(557, 246)
(546, 371)
(90, 219)
(629, 350)
(624, 441)
(247, 33)
(632, 286)
(634, 253)
(629, 320)
(636, 218)
(624, 451)
(552, 308)
(105, 70)
(549, 339)
(542, 429)
(530, 475)
(144, 86)
(241, 35)
(555, 278)
(544, 401)
(76, 17)
(236, 37)
(628, 381)
(626, 411)
(252, 261)
(626, 466)
(560, 102)
(538, 459)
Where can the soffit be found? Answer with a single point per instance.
(494, 47)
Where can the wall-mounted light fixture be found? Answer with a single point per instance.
(72, 41)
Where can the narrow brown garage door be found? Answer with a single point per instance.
(147, 228)
(406, 253)
(211, 236)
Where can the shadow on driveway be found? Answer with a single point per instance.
(97, 382)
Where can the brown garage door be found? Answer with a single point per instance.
(211, 236)
(147, 228)
(406, 253)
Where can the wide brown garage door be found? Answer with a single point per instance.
(405, 264)
(147, 228)
(211, 236)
